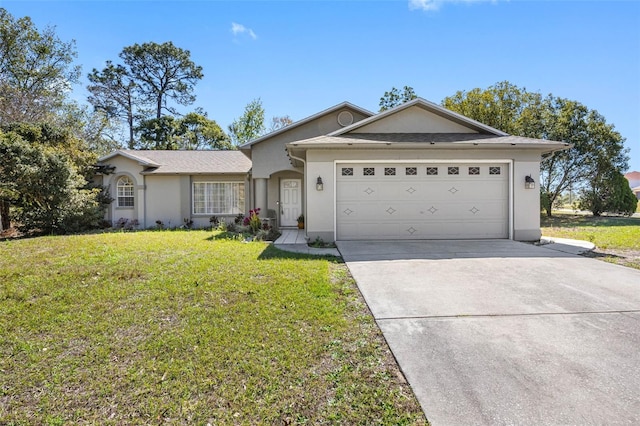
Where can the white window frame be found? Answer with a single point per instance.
(125, 191)
(231, 202)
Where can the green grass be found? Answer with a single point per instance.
(617, 239)
(604, 232)
(182, 328)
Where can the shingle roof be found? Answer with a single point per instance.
(471, 139)
(187, 162)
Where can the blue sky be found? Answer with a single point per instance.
(301, 57)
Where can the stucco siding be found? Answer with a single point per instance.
(319, 219)
(526, 213)
(270, 156)
(414, 120)
(125, 167)
(163, 201)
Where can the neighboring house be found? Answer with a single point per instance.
(171, 186)
(417, 171)
(634, 182)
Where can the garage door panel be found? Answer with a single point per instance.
(422, 206)
(422, 210)
(424, 230)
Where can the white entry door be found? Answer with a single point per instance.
(290, 201)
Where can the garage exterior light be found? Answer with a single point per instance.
(529, 183)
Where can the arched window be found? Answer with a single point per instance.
(125, 192)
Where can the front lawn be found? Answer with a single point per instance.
(617, 239)
(180, 327)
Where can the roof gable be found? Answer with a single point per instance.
(137, 156)
(418, 116)
(306, 120)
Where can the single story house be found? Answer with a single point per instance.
(171, 186)
(417, 171)
(634, 182)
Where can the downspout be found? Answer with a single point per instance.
(250, 186)
(144, 200)
(304, 168)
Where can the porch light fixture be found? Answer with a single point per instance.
(529, 183)
(319, 184)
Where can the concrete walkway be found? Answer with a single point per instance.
(295, 241)
(567, 245)
(500, 332)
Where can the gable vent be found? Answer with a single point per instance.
(345, 118)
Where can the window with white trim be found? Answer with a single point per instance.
(125, 192)
(218, 197)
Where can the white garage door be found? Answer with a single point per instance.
(422, 201)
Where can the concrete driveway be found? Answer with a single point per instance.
(500, 332)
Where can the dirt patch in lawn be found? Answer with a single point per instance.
(629, 258)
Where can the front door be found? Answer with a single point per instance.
(290, 201)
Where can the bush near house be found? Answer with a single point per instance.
(179, 327)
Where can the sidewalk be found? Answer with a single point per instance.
(566, 245)
(295, 241)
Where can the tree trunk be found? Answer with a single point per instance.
(548, 210)
(159, 106)
(5, 220)
(132, 144)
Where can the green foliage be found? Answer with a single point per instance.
(159, 133)
(113, 92)
(250, 125)
(255, 223)
(193, 131)
(598, 150)
(139, 91)
(609, 192)
(394, 97)
(36, 70)
(162, 72)
(503, 106)
(42, 178)
(198, 132)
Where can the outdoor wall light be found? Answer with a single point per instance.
(319, 184)
(529, 183)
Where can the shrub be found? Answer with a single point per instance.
(612, 195)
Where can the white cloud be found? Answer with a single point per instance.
(241, 29)
(430, 5)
